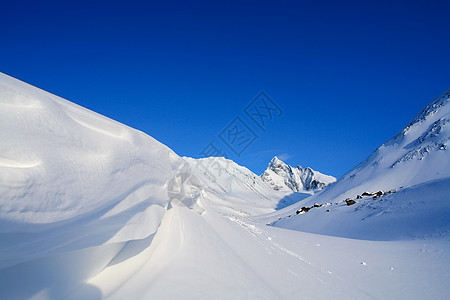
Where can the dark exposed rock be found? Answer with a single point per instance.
(303, 209)
(350, 202)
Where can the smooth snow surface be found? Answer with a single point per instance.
(93, 209)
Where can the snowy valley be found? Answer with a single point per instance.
(93, 209)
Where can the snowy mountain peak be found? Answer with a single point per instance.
(433, 107)
(276, 161)
(278, 164)
(283, 177)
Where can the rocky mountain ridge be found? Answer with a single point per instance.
(283, 177)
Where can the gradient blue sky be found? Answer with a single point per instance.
(348, 75)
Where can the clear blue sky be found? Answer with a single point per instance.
(348, 75)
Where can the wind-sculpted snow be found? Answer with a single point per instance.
(92, 209)
(71, 178)
(186, 190)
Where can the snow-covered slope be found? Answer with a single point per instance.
(410, 174)
(231, 188)
(417, 154)
(71, 178)
(282, 177)
(81, 192)
(92, 209)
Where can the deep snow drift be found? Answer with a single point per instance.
(71, 179)
(92, 209)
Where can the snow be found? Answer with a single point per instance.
(419, 211)
(71, 179)
(282, 177)
(93, 209)
(421, 182)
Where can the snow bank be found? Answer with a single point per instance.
(71, 178)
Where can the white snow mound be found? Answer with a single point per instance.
(71, 178)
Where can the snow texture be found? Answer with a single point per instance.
(410, 173)
(93, 209)
(282, 177)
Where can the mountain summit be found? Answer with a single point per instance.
(283, 177)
